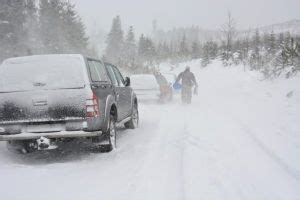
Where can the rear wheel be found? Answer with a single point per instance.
(108, 141)
(112, 133)
(110, 138)
(134, 121)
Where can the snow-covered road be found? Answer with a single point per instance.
(240, 139)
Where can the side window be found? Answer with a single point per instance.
(98, 72)
(112, 75)
(119, 77)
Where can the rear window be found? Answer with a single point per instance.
(98, 71)
(144, 82)
(41, 73)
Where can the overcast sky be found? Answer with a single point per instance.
(209, 14)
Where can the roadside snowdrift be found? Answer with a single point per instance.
(268, 110)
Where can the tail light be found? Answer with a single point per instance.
(92, 107)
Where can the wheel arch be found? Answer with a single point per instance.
(110, 108)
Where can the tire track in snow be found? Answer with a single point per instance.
(159, 166)
(174, 130)
(182, 160)
(293, 173)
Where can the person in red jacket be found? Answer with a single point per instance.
(165, 90)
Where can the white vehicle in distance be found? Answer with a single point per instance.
(145, 87)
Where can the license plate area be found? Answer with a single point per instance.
(43, 128)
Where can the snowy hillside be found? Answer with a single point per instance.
(292, 26)
(204, 35)
(239, 139)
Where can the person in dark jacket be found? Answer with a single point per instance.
(188, 81)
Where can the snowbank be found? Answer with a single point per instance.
(267, 110)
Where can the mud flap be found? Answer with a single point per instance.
(101, 145)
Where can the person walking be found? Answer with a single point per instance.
(165, 90)
(188, 81)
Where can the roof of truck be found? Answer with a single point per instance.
(40, 57)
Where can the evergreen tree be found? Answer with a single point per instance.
(280, 62)
(281, 41)
(229, 32)
(223, 52)
(150, 50)
(130, 49)
(287, 38)
(51, 26)
(173, 50)
(76, 40)
(196, 50)
(271, 44)
(245, 49)
(206, 59)
(146, 50)
(167, 52)
(12, 19)
(6, 29)
(256, 42)
(161, 54)
(291, 52)
(298, 56)
(183, 48)
(142, 48)
(255, 57)
(113, 52)
(210, 52)
(213, 49)
(32, 38)
(163, 51)
(237, 52)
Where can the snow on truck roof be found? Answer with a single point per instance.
(25, 59)
(43, 72)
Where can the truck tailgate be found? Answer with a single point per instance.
(42, 106)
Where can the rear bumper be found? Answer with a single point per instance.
(52, 135)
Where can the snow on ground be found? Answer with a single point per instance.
(240, 139)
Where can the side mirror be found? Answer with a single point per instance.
(127, 81)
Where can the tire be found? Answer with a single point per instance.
(112, 134)
(134, 121)
(107, 142)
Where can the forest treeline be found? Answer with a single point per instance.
(29, 27)
(269, 52)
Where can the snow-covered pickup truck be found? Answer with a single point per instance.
(47, 98)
